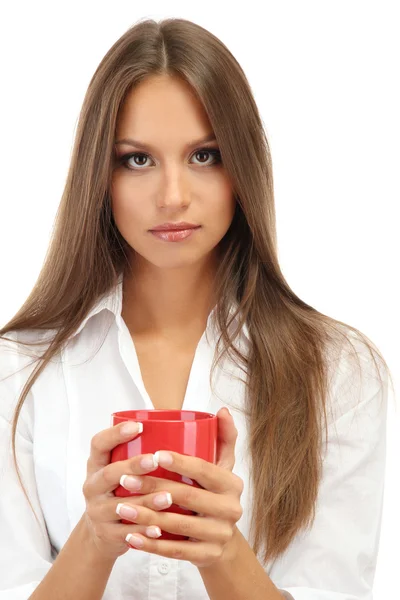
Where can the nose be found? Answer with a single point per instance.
(174, 192)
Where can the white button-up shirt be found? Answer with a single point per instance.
(96, 374)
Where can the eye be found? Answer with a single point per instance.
(210, 151)
(213, 152)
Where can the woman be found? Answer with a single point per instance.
(125, 316)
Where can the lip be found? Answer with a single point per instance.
(182, 225)
(178, 235)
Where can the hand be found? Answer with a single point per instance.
(100, 517)
(212, 532)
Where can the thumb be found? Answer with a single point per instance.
(226, 439)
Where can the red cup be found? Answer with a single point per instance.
(188, 432)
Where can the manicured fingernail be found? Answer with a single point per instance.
(130, 428)
(134, 540)
(126, 511)
(149, 462)
(163, 500)
(164, 458)
(153, 531)
(130, 483)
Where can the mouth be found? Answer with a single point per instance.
(174, 235)
(175, 229)
(182, 226)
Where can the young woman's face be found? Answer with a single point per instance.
(172, 179)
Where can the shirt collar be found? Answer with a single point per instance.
(112, 301)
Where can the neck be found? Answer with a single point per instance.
(169, 303)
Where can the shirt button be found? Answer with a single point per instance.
(163, 568)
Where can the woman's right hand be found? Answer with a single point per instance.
(100, 517)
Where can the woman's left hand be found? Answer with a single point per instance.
(212, 531)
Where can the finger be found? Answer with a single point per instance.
(120, 531)
(106, 440)
(151, 531)
(209, 476)
(198, 500)
(199, 553)
(226, 440)
(108, 478)
(203, 529)
(108, 512)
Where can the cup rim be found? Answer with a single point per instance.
(203, 416)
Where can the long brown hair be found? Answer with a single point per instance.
(287, 367)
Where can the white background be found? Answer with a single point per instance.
(325, 76)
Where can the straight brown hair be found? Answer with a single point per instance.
(293, 346)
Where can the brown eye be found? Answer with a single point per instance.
(143, 157)
(138, 161)
(208, 151)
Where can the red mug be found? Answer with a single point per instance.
(188, 432)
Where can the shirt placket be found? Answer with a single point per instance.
(163, 580)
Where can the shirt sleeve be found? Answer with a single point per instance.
(336, 559)
(25, 548)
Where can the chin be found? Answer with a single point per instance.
(177, 263)
(177, 259)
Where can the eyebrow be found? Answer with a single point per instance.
(144, 146)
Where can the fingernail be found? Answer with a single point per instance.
(163, 458)
(134, 540)
(128, 512)
(130, 483)
(130, 428)
(149, 462)
(163, 500)
(153, 531)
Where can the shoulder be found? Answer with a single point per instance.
(357, 375)
(18, 348)
(17, 361)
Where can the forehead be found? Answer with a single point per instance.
(162, 106)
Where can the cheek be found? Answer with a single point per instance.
(128, 220)
(227, 202)
(126, 210)
(225, 211)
